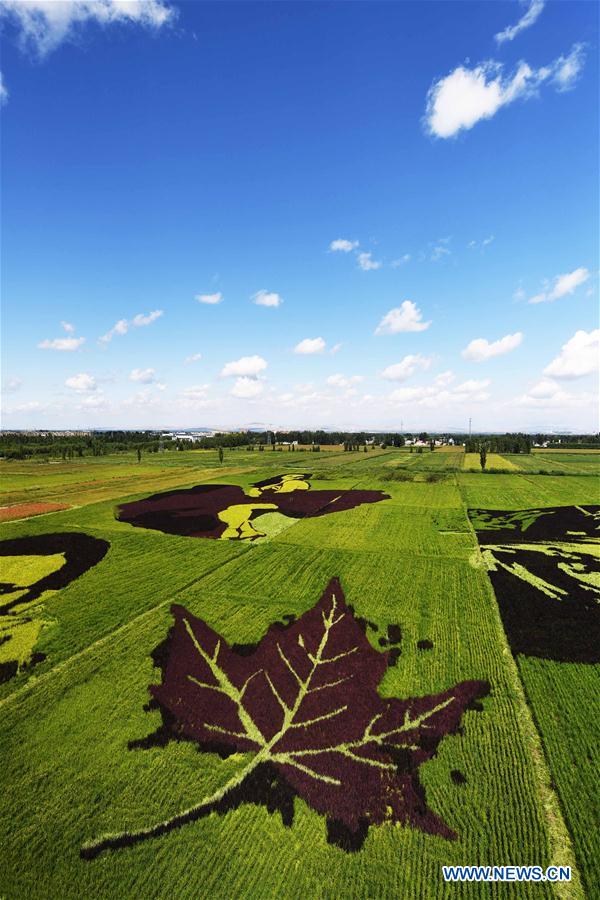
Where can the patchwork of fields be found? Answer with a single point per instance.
(419, 738)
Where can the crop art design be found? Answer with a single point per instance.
(32, 567)
(304, 710)
(544, 565)
(225, 511)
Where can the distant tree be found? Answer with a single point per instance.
(139, 455)
(432, 445)
(220, 454)
(482, 455)
(365, 448)
(419, 449)
(261, 448)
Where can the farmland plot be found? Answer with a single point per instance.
(85, 755)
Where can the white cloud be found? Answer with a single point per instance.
(310, 345)
(195, 392)
(439, 252)
(144, 376)
(519, 294)
(267, 298)
(70, 329)
(141, 320)
(366, 263)
(406, 317)
(547, 394)
(531, 15)
(44, 24)
(246, 388)
(481, 245)
(544, 388)
(81, 383)
(445, 378)
(31, 406)
(11, 385)
(66, 344)
(481, 349)
(401, 261)
(247, 366)
(343, 246)
(3, 91)
(563, 285)
(193, 358)
(344, 381)
(210, 299)
(578, 357)
(471, 387)
(567, 69)
(122, 326)
(436, 395)
(406, 367)
(466, 96)
(336, 349)
(94, 402)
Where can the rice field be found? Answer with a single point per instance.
(507, 776)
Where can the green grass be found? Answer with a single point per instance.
(411, 560)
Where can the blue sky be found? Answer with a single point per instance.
(366, 197)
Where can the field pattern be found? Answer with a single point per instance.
(430, 704)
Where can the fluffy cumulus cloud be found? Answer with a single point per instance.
(142, 376)
(547, 394)
(481, 349)
(247, 388)
(122, 326)
(367, 263)
(578, 357)
(530, 16)
(210, 299)
(310, 345)
(406, 367)
(563, 286)
(44, 24)
(344, 381)
(245, 367)
(267, 298)
(438, 395)
(82, 383)
(194, 357)
(342, 246)
(467, 95)
(406, 317)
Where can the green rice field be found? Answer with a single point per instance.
(511, 779)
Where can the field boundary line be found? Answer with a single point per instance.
(560, 844)
(59, 667)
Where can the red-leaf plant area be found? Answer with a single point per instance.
(304, 708)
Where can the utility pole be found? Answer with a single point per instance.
(469, 428)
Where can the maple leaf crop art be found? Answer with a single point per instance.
(303, 707)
